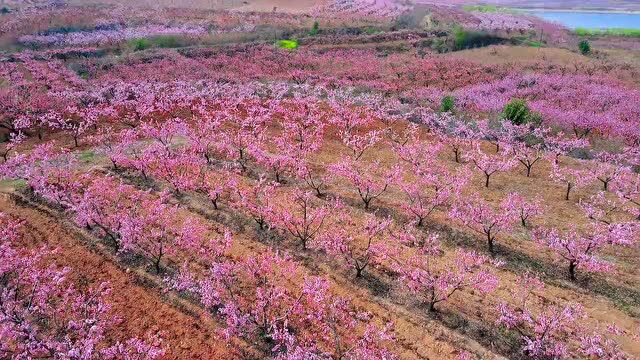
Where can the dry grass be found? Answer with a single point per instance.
(503, 54)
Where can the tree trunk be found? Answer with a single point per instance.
(486, 183)
(157, 260)
(572, 270)
(115, 243)
(432, 302)
(490, 243)
(566, 197)
(432, 307)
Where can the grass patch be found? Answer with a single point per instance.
(490, 9)
(13, 184)
(160, 41)
(532, 43)
(169, 41)
(482, 8)
(370, 30)
(139, 44)
(607, 32)
(87, 156)
(287, 44)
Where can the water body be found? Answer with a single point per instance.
(591, 20)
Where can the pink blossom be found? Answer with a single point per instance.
(479, 216)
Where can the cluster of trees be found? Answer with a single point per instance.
(581, 100)
(44, 315)
(255, 149)
(215, 153)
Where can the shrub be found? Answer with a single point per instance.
(168, 41)
(440, 46)
(531, 43)
(465, 39)
(140, 44)
(370, 30)
(448, 103)
(287, 44)
(65, 30)
(535, 118)
(315, 29)
(585, 47)
(517, 111)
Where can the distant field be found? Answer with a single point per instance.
(304, 5)
(257, 5)
(612, 32)
(625, 5)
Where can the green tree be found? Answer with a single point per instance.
(517, 111)
(448, 103)
(585, 47)
(315, 29)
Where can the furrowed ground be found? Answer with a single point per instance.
(344, 180)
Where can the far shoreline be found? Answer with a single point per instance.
(586, 11)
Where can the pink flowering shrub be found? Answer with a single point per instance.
(549, 329)
(435, 188)
(358, 245)
(580, 251)
(362, 8)
(628, 190)
(572, 178)
(369, 182)
(578, 103)
(522, 208)
(267, 297)
(479, 216)
(498, 21)
(42, 314)
(300, 217)
(110, 37)
(489, 164)
(435, 278)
